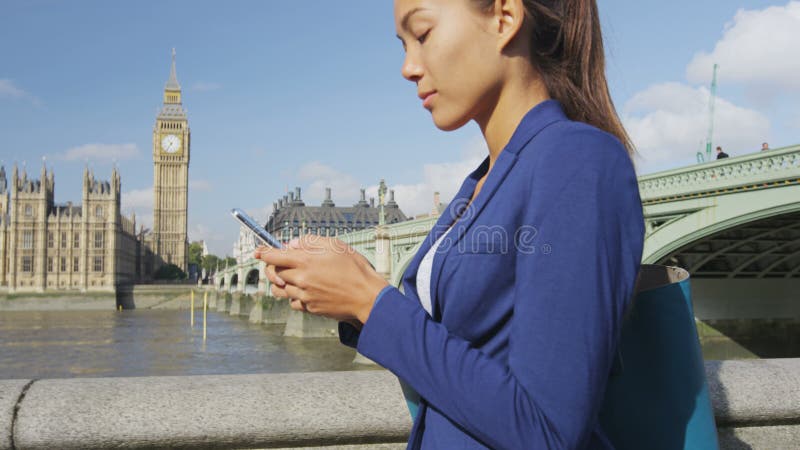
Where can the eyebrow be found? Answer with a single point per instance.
(407, 17)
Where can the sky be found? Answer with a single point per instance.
(309, 94)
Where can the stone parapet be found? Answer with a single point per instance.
(756, 402)
(756, 405)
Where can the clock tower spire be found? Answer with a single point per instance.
(172, 90)
(171, 149)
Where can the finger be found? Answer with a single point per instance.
(312, 242)
(291, 276)
(277, 291)
(273, 277)
(297, 305)
(295, 293)
(280, 257)
(257, 251)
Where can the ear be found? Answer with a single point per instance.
(509, 17)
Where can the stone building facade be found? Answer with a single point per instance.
(92, 246)
(44, 245)
(291, 217)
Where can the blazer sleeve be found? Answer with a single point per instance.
(348, 334)
(570, 295)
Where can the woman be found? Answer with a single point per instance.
(511, 309)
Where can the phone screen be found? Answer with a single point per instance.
(259, 231)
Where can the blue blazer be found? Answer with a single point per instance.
(528, 294)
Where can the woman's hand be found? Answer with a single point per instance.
(323, 276)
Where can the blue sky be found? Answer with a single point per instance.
(309, 94)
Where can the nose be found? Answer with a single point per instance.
(412, 69)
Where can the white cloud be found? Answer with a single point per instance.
(758, 48)
(217, 245)
(445, 178)
(138, 198)
(200, 232)
(101, 152)
(140, 202)
(319, 176)
(9, 89)
(204, 86)
(199, 185)
(143, 220)
(414, 199)
(668, 123)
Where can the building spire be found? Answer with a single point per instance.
(328, 201)
(172, 84)
(392, 203)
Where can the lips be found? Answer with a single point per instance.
(427, 98)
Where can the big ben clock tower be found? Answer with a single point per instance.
(171, 139)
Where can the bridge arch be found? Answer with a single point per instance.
(703, 218)
(234, 282)
(251, 281)
(765, 246)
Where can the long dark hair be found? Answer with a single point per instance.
(567, 51)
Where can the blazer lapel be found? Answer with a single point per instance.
(409, 279)
(535, 120)
(538, 118)
(495, 178)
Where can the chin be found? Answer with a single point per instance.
(448, 122)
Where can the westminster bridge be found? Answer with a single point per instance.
(734, 224)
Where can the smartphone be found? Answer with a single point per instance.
(259, 231)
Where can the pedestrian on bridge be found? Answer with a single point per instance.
(720, 153)
(506, 321)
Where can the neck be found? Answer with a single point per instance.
(514, 100)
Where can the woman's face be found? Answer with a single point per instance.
(451, 56)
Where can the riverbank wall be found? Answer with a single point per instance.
(756, 406)
(147, 296)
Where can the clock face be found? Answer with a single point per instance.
(171, 143)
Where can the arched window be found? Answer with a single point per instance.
(98, 212)
(28, 210)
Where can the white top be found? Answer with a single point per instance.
(424, 275)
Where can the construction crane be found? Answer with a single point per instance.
(700, 156)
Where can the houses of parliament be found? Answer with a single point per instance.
(93, 246)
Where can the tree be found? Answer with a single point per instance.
(229, 261)
(196, 253)
(210, 262)
(169, 272)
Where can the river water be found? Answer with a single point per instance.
(66, 344)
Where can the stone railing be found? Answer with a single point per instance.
(757, 170)
(225, 411)
(756, 404)
(402, 234)
(412, 227)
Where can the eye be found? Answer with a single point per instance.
(421, 39)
